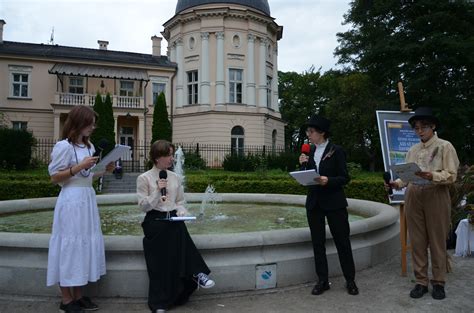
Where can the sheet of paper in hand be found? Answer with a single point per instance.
(406, 172)
(117, 153)
(305, 178)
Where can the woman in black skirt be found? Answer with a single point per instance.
(175, 266)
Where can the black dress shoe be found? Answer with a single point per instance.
(438, 292)
(418, 291)
(352, 288)
(320, 287)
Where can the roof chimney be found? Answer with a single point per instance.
(156, 45)
(2, 22)
(103, 44)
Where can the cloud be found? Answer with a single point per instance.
(309, 26)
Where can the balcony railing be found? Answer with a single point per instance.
(117, 101)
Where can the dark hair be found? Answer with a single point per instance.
(79, 117)
(160, 148)
(425, 122)
(326, 134)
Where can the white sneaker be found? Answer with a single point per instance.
(204, 281)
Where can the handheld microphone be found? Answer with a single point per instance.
(387, 177)
(163, 175)
(101, 146)
(305, 149)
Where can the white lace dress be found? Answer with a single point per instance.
(76, 248)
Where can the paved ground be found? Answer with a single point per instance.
(382, 289)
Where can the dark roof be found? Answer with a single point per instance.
(63, 52)
(260, 5)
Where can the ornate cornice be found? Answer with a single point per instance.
(195, 14)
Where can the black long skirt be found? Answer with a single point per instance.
(171, 259)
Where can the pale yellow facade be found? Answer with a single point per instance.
(219, 76)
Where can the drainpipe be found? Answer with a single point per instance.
(171, 104)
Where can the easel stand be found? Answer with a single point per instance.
(403, 217)
(403, 239)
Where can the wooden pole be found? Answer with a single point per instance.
(401, 93)
(403, 239)
(403, 218)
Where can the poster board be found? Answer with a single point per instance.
(396, 138)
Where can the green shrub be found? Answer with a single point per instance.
(193, 161)
(285, 161)
(16, 148)
(24, 189)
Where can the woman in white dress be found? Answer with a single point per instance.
(76, 248)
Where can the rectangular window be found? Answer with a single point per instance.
(269, 92)
(193, 87)
(235, 85)
(76, 85)
(20, 77)
(158, 88)
(126, 88)
(17, 125)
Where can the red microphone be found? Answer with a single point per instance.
(305, 149)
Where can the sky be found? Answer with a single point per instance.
(309, 26)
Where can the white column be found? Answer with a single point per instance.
(57, 124)
(262, 74)
(275, 80)
(251, 70)
(180, 95)
(117, 133)
(141, 137)
(205, 83)
(173, 52)
(220, 82)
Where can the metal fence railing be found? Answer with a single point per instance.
(136, 162)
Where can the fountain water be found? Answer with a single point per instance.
(209, 201)
(179, 163)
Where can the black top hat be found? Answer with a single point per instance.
(320, 123)
(426, 114)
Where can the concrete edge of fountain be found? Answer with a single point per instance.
(379, 215)
(233, 258)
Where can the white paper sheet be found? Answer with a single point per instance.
(406, 172)
(305, 178)
(182, 218)
(112, 156)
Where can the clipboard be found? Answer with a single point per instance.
(306, 178)
(406, 172)
(177, 218)
(112, 156)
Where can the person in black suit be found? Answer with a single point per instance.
(327, 200)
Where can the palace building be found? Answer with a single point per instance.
(219, 75)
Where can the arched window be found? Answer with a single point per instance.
(274, 140)
(237, 140)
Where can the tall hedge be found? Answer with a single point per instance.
(161, 127)
(105, 123)
(16, 148)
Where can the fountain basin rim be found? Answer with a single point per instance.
(381, 216)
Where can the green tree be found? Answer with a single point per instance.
(424, 43)
(300, 97)
(350, 106)
(161, 127)
(105, 123)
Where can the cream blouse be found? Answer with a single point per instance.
(437, 156)
(149, 195)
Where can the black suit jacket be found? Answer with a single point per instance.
(333, 165)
